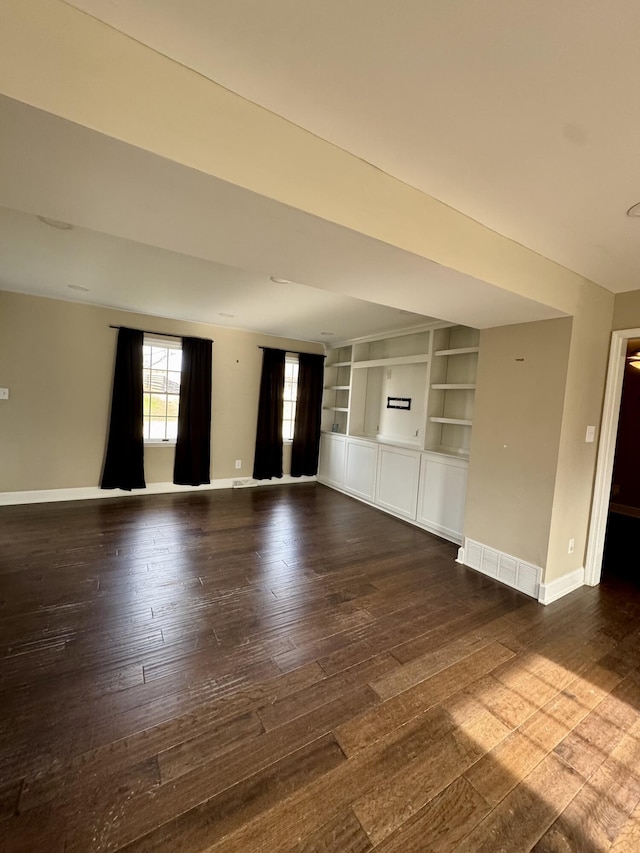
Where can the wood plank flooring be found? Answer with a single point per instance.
(286, 669)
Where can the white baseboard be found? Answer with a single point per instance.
(563, 585)
(84, 493)
(509, 570)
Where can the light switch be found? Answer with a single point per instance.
(4, 393)
(591, 434)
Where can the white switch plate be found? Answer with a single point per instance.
(4, 393)
(591, 434)
(238, 463)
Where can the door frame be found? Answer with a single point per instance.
(606, 454)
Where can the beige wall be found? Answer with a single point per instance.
(626, 312)
(531, 471)
(57, 359)
(584, 395)
(516, 435)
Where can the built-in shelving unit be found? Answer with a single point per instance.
(337, 390)
(434, 367)
(452, 390)
(397, 418)
(392, 366)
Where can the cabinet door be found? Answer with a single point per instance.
(331, 461)
(397, 481)
(443, 489)
(361, 465)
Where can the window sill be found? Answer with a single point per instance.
(158, 442)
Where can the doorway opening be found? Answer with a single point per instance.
(615, 517)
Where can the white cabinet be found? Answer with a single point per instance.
(397, 480)
(332, 459)
(360, 469)
(441, 496)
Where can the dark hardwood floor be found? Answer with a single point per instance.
(286, 669)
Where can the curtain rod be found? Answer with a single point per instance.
(294, 351)
(161, 334)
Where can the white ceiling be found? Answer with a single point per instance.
(145, 279)
(523, 114)
(156, 237)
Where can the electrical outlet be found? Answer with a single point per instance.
(4, 393)
(572, 545)
(238, 463)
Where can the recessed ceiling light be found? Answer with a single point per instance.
(225, 314)
(634, 210)
(327, 334)
(56, 223)
(276, 280)
(78, 287)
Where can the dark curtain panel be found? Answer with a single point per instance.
(268, 458)
(193, 446)
(306, 433)
(124, 462)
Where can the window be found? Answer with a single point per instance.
(161, 365)
(290, 395)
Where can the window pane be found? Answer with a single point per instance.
(157, 428)
(290, 394)
(161, 376)
(172, 428)
(173, 384)
(158, 380)
(175, 359)
(145, 428)
(173, 403)
(158, 405)
(159, 358)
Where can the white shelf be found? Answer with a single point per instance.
(335, 409)
(453, 386)
(443, 450)
(337, 387)
(421, 358)
(456, 351)
(457, 421)
(339, 364)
